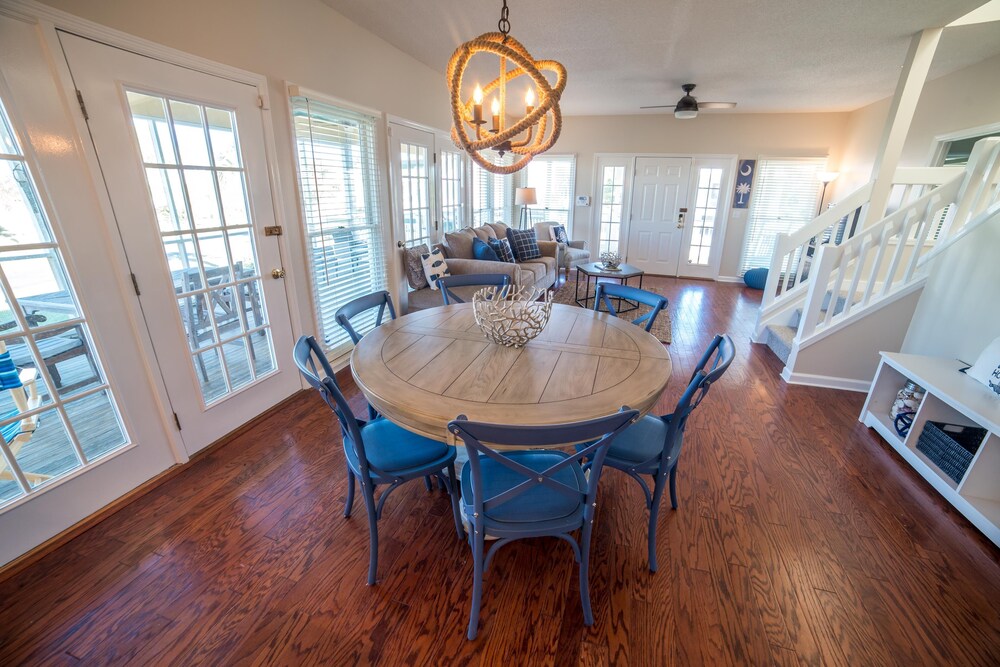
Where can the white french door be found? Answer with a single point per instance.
(413, 202)
(704, 222)
(656, 228)
(183, 158)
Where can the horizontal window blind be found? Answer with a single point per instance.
(492, 194)
(338, 185)
(784, 199)
(553, 177)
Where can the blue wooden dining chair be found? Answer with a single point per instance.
(608, 291)
(447, 283)
(653, 445)
(532, 493)
(378, 452)
(349, 310)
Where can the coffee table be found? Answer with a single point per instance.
(597, 271)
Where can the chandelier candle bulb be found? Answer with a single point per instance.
(477, 107)
(495, 108)
(529, 101)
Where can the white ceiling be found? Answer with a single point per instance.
(767, 55)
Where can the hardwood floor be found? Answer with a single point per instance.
(800, 538)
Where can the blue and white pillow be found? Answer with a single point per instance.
(502, 248)
(524, 244)
(558, 234)
(435, 266)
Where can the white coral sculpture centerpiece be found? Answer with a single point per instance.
(513, 318)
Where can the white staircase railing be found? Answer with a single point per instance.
(887, 258)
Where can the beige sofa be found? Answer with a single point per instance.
(539, 273)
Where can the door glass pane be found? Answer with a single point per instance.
(415, 184)
(210, 265)
(96, 424)
(703, 219)
(37, 373)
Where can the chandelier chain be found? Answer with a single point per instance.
(504, 23)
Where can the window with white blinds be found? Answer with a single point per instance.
(784, 199)
(553, 177)
(338, 185)
(492, 195)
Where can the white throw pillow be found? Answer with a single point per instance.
(987, 367)
(435, 266)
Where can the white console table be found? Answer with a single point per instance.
(951, 397)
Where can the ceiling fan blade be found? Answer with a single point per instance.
(659, 106)
(716, 105)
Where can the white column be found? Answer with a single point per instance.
(904, 104)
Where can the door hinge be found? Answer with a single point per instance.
(435, 158)
(177, 420)
(83, 107)
(273, 230)
(135, 285)
(260, 101)
(435, 225)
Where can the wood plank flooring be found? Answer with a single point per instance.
(800, 538)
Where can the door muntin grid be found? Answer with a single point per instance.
(612, 202)
(452, 191)
(198, 190)
(58, 413)
(415, 183)
(705, 211)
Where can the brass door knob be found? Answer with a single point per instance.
(277, 273)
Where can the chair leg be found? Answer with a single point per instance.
(453, 492)
(478, 544)
(673, 486)
(349, 504)
(654, 513)
(588, 614)
(427, 482)
(368, 490)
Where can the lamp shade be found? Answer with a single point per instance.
(525, 196)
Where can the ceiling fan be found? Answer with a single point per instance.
(687, 107)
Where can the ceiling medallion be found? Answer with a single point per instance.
(540, 124)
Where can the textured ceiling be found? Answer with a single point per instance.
(767, 55)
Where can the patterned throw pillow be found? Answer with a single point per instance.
(524, 243)
(414, 267)
(434, 266)
(558, 234)
(502, 249)
(484, 251)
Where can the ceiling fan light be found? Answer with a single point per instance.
(685, 114)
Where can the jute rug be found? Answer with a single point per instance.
(661, 328)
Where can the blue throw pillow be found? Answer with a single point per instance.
(502, 248)
(559, 234)
(524, 243)
(481, 250)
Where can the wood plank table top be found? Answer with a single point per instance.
(424, 369)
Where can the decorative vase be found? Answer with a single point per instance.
(610, 260)
(513, 319)
(907, 400)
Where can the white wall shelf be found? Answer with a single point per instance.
(954, 398)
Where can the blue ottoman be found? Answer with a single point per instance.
(755, 278)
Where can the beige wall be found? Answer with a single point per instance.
(744, 135)
(958, 101)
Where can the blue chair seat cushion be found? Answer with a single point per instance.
(639, 443)
(393, 449)
(535, 505)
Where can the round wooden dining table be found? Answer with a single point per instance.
(424, 369)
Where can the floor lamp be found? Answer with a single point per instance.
(525, 197)
(825, 177)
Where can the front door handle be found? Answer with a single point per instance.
(400, 244)
(277, 273)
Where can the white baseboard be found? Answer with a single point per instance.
(826, 381)
(728, 279)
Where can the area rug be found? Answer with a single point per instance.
(661, 328)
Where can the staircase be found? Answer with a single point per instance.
(876, 269)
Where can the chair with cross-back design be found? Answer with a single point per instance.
(607, 292)
(448, 284)
(525, 493)
(653, 445)
(378, 452)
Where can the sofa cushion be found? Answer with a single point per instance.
(415, 276)
(484, 251)
(499, 229)
(460, 243)
(435, 266)
(524, 243)
(484, 233)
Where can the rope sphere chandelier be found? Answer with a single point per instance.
(540, 125)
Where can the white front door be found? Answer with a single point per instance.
(705, 221)
(659, 197)
(182, 155)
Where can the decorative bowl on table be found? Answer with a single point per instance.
(610, 260)
(514, 318)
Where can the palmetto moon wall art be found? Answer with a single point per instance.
(744, 183)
